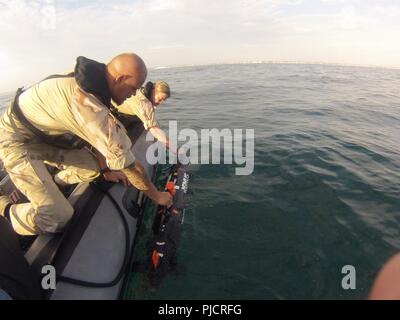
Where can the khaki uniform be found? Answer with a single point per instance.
(57, 107)
(138, 105)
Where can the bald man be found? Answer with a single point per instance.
(47, 123)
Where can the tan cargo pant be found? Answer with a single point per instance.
(48, 210)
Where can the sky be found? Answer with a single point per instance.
(42, 37)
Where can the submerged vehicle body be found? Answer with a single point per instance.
(167, 228)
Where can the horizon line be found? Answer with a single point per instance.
(301, 62)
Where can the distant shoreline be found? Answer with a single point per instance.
(334, 64)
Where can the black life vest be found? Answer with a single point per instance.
(147, 89)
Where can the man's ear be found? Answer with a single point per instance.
(119, 79)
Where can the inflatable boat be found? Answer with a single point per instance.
(93, 256)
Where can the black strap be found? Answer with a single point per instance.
(75, 142)
(15, 108)
(55, 76)
(21, 117)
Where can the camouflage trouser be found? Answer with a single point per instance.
(48, 210)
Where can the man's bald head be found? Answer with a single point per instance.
(125, 74)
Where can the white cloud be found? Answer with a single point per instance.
(174, 32)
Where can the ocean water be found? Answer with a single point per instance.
(324, 193)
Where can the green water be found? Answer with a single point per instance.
(324, 192)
